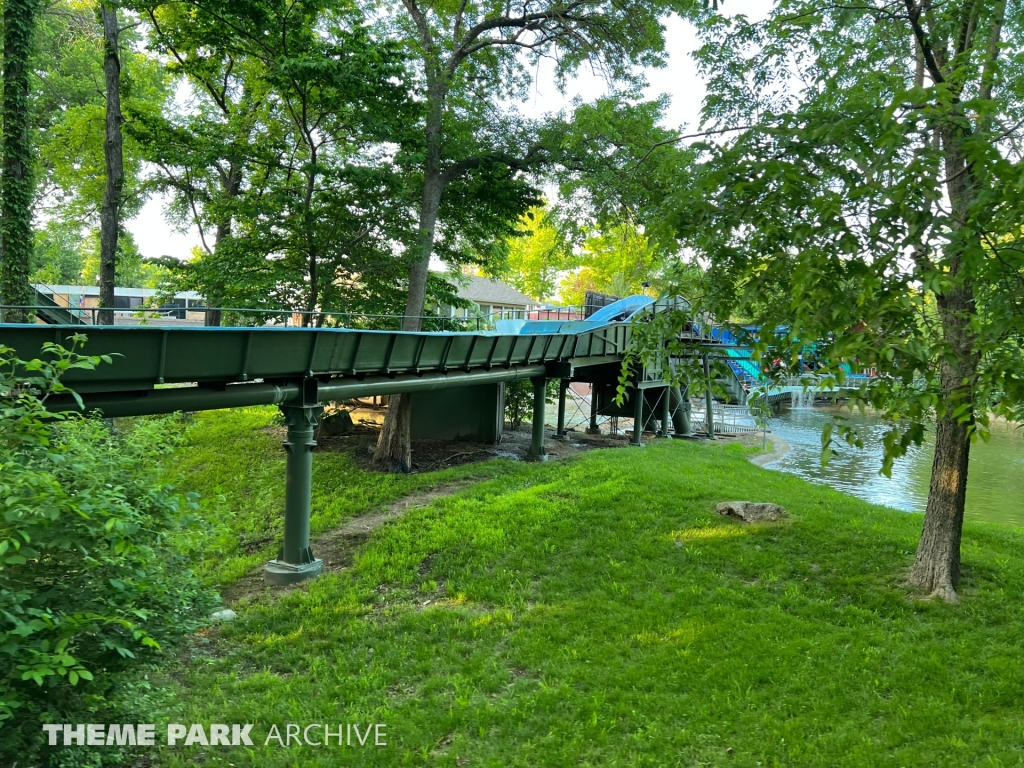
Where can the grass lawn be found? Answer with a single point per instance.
(234, 459)
(598, 612)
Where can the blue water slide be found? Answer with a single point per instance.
(621, 311)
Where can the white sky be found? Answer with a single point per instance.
(155, 237)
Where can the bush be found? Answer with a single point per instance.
(519, 400)
(93, 577)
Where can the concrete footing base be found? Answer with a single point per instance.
(280, 573)
(593, 431)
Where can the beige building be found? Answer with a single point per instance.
(495, 299)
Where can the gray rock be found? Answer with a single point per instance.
(225, 614)
(751, 511)
(337, 423)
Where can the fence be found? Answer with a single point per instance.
(235, 317)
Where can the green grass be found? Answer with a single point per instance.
(598, 612)
(235, 461)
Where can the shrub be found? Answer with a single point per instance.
(93, 577)
(519, 400)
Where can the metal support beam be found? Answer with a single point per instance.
(681, 410)
(537, 451)
(638, 417)
(295, 562)
(709, 401)
(665, 397)
(593, 429)
(284, 394)
(563, 386)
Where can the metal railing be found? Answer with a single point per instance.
(243, 317)
(88, 315)
(729, 419)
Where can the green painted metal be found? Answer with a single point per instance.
(680, 403)
(709, 401)
(563, 387)
(475, 413)
(665, 398)
(593, 429)
(152, 401)
(298, 368)
(537, 451)
(147, 356)
(295, 562)
(638, 418)
(344, 389)
(206, 398)
(51, 312)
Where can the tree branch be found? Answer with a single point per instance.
(516, 163)
(914, 17)
(677, 139)
(526, 22)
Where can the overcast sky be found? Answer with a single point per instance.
(155, 237)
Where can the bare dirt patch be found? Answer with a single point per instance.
(337, 547)
(432, 455)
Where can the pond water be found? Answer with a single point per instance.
(995, 486)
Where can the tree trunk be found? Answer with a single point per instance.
(430, 205)
(16, 182)
(936, 569)
(232, 182)
(394, 446)
(416, 303)
(113, 156)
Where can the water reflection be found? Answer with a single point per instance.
(995, 489)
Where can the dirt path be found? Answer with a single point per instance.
(337, 547)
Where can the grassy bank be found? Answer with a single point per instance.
(598, 612)
(235, 461)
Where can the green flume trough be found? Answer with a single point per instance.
(160, 369)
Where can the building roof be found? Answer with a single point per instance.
(484, 290)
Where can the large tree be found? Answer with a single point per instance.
(536, 255)
(865, 173)
(473, 64)
(281, 164)
(16, 181)
(617, 261)
(288, 163)
(113, 159)
(70, 118)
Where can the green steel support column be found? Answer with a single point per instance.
(295, 561)
(563, 387)
(681, 410)
(638, 417)
(665, 396)
(593, 429)
(537, 451)
(709, 401)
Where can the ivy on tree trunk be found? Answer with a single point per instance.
(16, 182)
